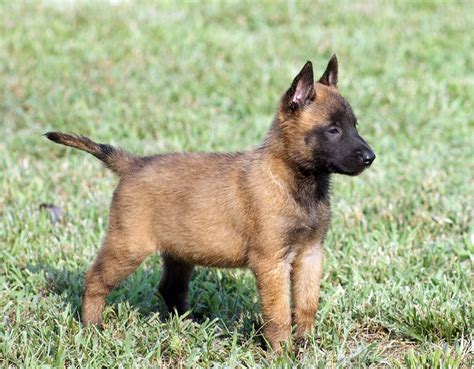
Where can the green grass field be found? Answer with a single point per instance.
(159, 77)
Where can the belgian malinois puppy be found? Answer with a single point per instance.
(267, 209)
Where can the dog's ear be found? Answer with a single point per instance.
(329, 78)
(302, 90)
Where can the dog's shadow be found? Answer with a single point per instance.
(229, 296)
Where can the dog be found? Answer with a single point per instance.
(267, 209)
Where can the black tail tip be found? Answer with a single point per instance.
(53, 136)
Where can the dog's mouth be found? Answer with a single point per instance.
(353, 174)
(339, 169)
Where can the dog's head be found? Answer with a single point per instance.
(318, 126)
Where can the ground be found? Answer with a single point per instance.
(158, 77)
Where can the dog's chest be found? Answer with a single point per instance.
(308, 225)
(312, 210)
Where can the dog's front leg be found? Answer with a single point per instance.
(306, 279)
(273, 282)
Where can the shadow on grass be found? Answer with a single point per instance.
(213, 294)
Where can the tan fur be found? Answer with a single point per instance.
(219, 210)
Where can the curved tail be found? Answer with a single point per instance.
(117, 160)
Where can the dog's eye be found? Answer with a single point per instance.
(334, 131)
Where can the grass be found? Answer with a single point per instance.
(159, 77)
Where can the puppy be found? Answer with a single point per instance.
(267, 209)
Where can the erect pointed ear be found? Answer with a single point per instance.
(329, 78)
(302, 89)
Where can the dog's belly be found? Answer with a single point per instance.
(217, 246)
(203, 236)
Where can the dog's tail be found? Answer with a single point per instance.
(117, 160)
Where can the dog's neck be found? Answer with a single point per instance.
(312, 188)
(308, 187)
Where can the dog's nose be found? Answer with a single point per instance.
(368, 157)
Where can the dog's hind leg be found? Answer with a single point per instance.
(174, 283)
(116, 261)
